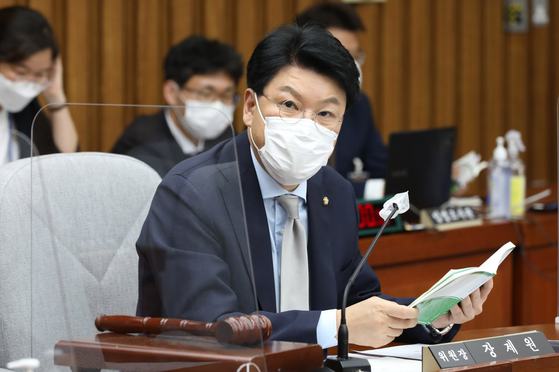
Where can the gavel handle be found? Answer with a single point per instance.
(238, 330)
(154, 326)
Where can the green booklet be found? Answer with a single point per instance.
(456, 285)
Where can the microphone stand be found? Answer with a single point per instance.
(343, 363)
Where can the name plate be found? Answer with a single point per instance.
(458, 354)
(449, 218)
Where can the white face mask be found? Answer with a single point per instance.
(293, 153)
(15, 95)
(206, 120)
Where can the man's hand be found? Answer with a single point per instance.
(467, 309)
(376, 322)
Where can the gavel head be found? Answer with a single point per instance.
(243, 329)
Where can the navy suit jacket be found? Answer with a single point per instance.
(149, 139)
(360, 138)
(195, 263)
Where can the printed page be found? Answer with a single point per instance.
(388, 364)
(495, 260)
(456, 285)
(413, 351)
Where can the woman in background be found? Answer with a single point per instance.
(30, 65)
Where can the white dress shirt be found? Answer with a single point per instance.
(9, 147)
(277, 216)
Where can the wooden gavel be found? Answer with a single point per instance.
(237, 330)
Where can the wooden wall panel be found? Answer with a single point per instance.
(445, 63)
(469, 80)
(186, 19)
(391, 116)
(371, 44)
(278, 12)
(114, 62)
(554, 77)
(517, 86)
(420, 57)
(150, 52)
(218, 19)
(4, 3)
(247, 38)
(430, 63)
(538, 141)
(78, 69)
(532, 307)
(493, 77)
(301, 5)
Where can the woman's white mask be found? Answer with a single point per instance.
(15, 95)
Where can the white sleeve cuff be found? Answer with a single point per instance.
(326, 329)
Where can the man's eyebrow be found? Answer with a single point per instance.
(290, 90)
(332, 99)
(22, 65)
(293, 92)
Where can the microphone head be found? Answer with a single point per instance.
(402, 202)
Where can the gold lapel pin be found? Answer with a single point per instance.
(325, 200)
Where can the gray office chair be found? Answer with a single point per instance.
(68, 227)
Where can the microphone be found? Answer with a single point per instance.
(392, 207)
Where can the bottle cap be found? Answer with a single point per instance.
(500, 153)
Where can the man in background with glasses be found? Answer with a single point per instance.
(359, 137)
(201, 78)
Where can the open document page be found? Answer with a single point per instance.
(456, 285)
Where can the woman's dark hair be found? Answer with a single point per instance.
(197, 55)
(310, 47)
(24, 32)
(332, 15)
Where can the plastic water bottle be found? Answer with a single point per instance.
(518, 174)
(498, 182)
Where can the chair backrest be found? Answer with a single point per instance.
(68, 228)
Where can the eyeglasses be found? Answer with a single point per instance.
(19, 74)
(212, 96)
(292, 111)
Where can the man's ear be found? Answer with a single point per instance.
(170, 93)
(249, 107)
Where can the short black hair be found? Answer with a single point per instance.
(197, 55)
(332, 15)
(311, 47)
(24, 32)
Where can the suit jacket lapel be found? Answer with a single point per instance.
(260, 256)
(319, 249)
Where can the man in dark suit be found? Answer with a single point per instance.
(194, 258)
(201, 78)
(359, 137)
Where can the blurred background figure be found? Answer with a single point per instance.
(30, 65)
(358, 137)
(201, 77)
